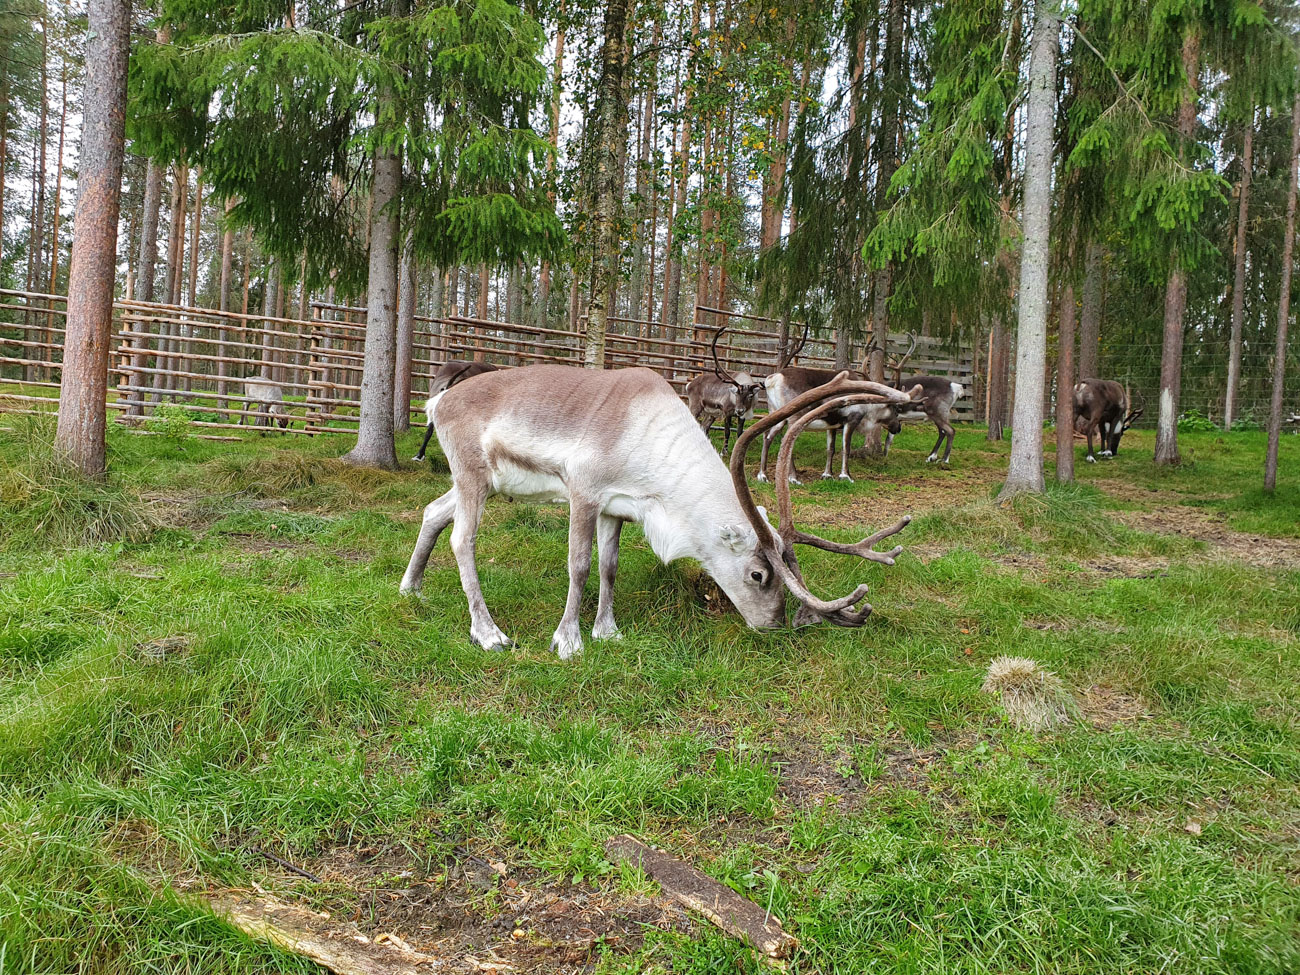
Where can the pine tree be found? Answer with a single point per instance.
(83, 394)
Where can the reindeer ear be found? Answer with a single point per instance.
(738, 538)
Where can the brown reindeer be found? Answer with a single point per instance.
(1101, 406)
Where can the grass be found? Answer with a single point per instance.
(858, 782)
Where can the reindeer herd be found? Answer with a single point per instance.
(621, 446)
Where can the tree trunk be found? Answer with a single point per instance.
(1283, 310)
(1065, 374)
(677, 249)
(405, 338)
(1094, 273)
(375, 446)
(83, 395)
(557, 91)
(146, 269)
(1239, 276)
(1171, 353)
(4, 150)
(268, 312)
(223, 293)
(1026, 468)
(612, 114)
(58, 190)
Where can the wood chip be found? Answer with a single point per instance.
(699, 892)
(337, 945)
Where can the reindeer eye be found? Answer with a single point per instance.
(756, 576)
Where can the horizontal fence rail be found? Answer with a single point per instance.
(223, 371)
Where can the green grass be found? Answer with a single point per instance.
(855, 781)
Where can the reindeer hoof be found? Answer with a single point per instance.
(828, 477)
(931, 459)
(845, 477)
(760, 476)
(491, 641)
(418, 457)
(567, 647)
(1107, 453)
(795, 480)
(599, 632)
(1090, 459)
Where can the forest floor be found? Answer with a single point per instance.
(207, 660)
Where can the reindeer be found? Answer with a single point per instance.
(620, 446)
(1102, 405)
(268, 398)
(447, 375)
(937, 398)
(789, 382)
(722, 395)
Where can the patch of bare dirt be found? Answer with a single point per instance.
(1208, 527)
(482, 915)
(1105, 707)
(812, 777)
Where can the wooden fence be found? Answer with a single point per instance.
(199, 359)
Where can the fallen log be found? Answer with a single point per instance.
(337, 945)
(699, 892)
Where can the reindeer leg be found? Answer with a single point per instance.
(583, 515)
(726, 433)
(1105, 439)
(844, 454)
(1089, 457)
(951, 433)
(608, 529)
(889, 442)
(428, 433)
(934, 452)
(469, 512)
(437, 516)
(762, 461)
(830, 453)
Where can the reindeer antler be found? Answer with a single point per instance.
(898, 366)
(717, 368)
(1134, 414)
(779, 547)
(793, 353)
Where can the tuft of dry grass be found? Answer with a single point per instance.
(1032, 698)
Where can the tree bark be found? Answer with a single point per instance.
(1283, 310)
(83, 395)
(1065, 374)
(266, 371)
(612, 114)
(1239, 276)
(58, 189)
(405, 338)
(1094, 273)
(557, 91)
(1171, 353)
(1025, 472)
(375, 446)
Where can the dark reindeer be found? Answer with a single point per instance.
(720, 394)
(1101, 406)
(937, 398)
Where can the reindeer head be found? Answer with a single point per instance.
(775, 548)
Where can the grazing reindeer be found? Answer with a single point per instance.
(620, 446)
(937, 398)
(722, 395)
(789, 382)
(447, 375)
(268, 398)
(1101, 405)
